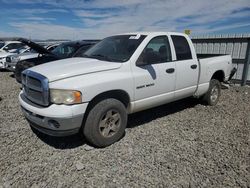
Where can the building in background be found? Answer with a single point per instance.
(238, 46)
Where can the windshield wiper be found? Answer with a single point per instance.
(100, 57)
(87, 56)
(84, 55)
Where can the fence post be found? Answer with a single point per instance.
(246, 65)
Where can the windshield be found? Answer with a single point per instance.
(80, 52)
(21, 50)
(1, 44)
(116, 48)
(64, 50)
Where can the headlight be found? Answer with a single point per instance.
(58, 96)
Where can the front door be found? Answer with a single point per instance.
(154, 75)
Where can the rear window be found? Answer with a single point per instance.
(182, 47)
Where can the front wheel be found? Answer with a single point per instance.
(105, 123)
(213, 94)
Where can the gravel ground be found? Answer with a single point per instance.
(183, 144)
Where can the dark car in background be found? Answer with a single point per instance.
(12, 60)
(63, 51)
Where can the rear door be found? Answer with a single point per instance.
(187, 70)
(154, 74)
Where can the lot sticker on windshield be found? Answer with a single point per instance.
(135, 37)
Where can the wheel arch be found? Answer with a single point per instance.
(118, 94)
(219, 75)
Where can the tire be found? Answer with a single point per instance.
(105, 123)
(213, 94)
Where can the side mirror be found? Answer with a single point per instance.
(147, 58)
(142, 61)
(152, 57)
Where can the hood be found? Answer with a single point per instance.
(70, 67)
(26, 54)
(38, 48)
(23, 56)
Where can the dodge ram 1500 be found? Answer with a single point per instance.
(120, 75)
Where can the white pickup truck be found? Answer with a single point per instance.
(120, 75)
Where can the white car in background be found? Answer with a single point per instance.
(4, 54)
(10, 46)
(51, 47)
(12, 60)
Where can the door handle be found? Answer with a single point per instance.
(171, 70)
(193, 66)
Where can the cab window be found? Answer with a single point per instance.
(156, 51)
(182, 48)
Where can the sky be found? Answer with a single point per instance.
(95, 19)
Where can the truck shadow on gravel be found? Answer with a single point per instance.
(149, 115)
(12, 75)
(66, 142)
(134, 120)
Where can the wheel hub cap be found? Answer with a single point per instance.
(214, 94)
(110, 123)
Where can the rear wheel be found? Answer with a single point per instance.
(213, 94)
(106, 123)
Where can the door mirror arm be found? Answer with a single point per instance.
(141, 63)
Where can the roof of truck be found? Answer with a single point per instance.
(154, 33)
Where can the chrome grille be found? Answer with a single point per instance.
(35, 87)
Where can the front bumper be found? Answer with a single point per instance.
(55, 120)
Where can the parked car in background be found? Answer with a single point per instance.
(10, 46)
(120, 75)
(12, 60)
(5, 54)
(51, 47)
(63, 51)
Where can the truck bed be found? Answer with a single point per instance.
(209, 64)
